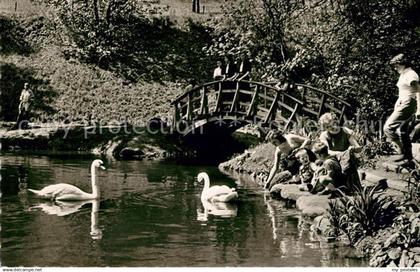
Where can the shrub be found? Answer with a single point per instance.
(397, 244)
(412, 197)
(363, 214)
(117, 35)
(12, 37)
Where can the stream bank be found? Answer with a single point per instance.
(125, 142)
(397, 245)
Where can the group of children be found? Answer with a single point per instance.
(323, 176)
(328, 166)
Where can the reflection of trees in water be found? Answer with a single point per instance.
(146, 219)
(58, 236)
(16, 173)
(295, 240)
(168, 173)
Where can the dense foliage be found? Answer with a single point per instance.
(362, 215)
(342, 46)
(412, 198)
(12, 37)
(120, 36)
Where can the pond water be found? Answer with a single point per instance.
(149, 214)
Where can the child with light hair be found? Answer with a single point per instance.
(306, 169)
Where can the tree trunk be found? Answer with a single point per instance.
(96, 11)
(108, 13)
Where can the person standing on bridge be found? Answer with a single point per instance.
(284, 156)
(397, 127)
(244, 72)
(218, 74)
(231, 72)
(218, 71)
(244, 68)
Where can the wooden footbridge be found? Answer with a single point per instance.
(233, 104)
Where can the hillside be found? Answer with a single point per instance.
(76, 91)
(131, 89)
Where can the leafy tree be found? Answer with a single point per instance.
(131, 39)
(342, 46)
(96, 27)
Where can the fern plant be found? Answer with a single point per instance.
(363, 214)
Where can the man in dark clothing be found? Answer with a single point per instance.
(26, 99)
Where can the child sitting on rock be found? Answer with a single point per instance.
(328, 176)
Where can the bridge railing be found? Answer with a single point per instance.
(255, 102)
(246, 100)
(318, 101)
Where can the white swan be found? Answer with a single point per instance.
(217, 193)
(67, 192)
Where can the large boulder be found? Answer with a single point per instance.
(292, 192)
(312, 205)
(321, 225)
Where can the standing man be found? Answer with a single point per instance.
(231, 70)
(26, 99)
(397, 127)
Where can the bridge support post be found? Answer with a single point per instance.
(204, 105)
(254, 102)
(340, 120)
(235, 98)
(291, 117)
(273, 108)
(321, 106)
(176, 117)
(189, 108)
(219, 98)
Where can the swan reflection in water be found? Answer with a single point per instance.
(63, 208)
(271, 214)
(220, 209)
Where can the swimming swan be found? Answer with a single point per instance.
(67, 192)
(217, 193)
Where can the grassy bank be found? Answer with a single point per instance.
(34, 49)
(76, 91)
